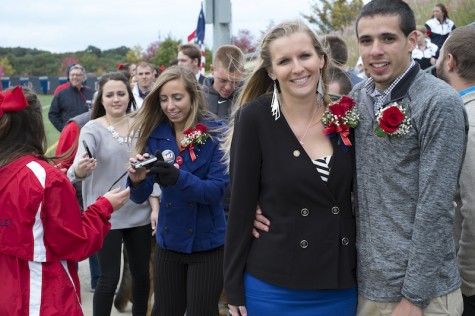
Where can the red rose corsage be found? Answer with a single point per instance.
(392, 121)
(192, 137)
(339, 118)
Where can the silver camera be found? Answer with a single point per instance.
(147, 163)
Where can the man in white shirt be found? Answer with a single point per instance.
(145, 74)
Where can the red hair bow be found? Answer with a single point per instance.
(12, 101)
(120, 66)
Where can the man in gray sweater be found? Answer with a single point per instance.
(407, 175)
(456, 65)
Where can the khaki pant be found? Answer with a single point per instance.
(449, 305)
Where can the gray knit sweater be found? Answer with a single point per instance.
(465, 226)
(112, 163)
(405, 189)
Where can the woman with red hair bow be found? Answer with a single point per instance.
(42, 231)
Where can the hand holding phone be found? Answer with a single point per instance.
(146, 163)
(87, 149)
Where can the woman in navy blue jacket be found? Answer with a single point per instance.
(191, 225)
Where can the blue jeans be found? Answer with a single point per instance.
(94, 270)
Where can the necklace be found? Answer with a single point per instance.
(120, 139)
(308, 126)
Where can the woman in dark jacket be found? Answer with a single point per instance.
(301, 179)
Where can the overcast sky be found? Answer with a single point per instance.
(67, 26)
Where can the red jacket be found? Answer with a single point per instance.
(42, 235)
(61, 87)
(69, 136)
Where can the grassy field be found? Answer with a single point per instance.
(51, 133)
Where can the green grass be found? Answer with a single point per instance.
(51, 133)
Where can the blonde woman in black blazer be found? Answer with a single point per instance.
(302, 180)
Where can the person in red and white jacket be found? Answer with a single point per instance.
(42, 231)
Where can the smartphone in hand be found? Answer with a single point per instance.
(87, 149)
(146, 163)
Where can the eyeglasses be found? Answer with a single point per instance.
(76, 75)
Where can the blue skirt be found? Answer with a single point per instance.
(266, 299)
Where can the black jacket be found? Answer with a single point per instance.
(311, 242)
(68, 103)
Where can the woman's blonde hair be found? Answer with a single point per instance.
(150, 115)
(259, 82)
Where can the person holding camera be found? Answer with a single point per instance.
(174, 124)
(106, 136)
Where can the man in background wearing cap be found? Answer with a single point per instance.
(71, 101)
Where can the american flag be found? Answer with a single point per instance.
(198, 37)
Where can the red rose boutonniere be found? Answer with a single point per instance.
(392, 121)
(192, 137)
(339, 118)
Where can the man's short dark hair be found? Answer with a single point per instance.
(337, 49)
(460, 46)
(190, 50)
(407, 21)
(337, 75)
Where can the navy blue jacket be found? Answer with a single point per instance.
(69, 103)
(191, 216)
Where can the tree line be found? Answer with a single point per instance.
(21, 61)
(327, 16)
(34, 62)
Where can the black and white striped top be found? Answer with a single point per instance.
(323, 167)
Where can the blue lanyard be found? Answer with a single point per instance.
(465, 91)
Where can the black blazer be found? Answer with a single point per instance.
(311, 242)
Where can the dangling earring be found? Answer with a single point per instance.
(320, 88)
(275, 104)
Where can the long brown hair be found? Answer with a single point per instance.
(151, 114)
(98, 109)
(23, 132)
(444, 10)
